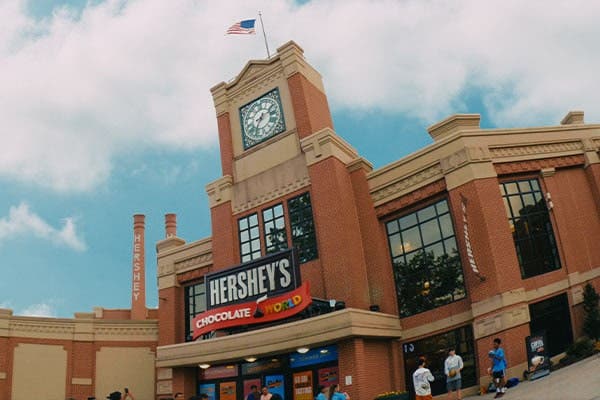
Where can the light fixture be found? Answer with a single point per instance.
(204, 366)
(324, 351)
(302, 350)
(250, 359)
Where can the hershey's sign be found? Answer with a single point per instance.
(270, 275)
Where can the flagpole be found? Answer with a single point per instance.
(264, 34)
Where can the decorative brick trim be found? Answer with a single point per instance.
(280, 191)
(422, 193)
(538, 165)
(538, 149)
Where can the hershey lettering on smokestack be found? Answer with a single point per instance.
(138, 288)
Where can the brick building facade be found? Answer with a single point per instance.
(484, 233)
(88, 356)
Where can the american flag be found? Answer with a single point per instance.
(245, 27)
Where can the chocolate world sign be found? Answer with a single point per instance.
(263, 290)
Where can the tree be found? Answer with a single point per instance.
(426, 282)
(591, 322)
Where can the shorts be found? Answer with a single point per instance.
(426, 397)
(498, 374)
(454, 385)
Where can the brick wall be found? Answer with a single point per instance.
(382, 290)
(311, 109)
(226, 143)
(338, 233)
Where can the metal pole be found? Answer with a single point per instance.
(264, 34)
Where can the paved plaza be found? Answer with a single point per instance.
(580, 381)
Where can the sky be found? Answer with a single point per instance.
(106, 110)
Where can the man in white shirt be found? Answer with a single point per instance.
(421, 378)
(452, 367)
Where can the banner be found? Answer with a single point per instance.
(538, 361)
(328, 376)
(268, 310)
(227, 391)
(303, 386)
(275, 385)
(207, 389)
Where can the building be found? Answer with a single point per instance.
(88, 356)
(484, 233)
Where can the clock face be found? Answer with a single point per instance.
(262, 119)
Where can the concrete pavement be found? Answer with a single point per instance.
(579, 381)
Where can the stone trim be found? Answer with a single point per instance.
(573, 117)
(501, 321)
(520, 151)
(310, 332)
(360, 163)
(79, 329)
(324, 144)
(2, 375)
(406, 183)
(81, 381)
(454, 123)
(164, 373)
(220, 191)
(439, 325)
(281, 191)
(164, 387)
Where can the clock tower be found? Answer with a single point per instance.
(277, 141)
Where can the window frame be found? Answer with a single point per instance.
(549, 235)
(315, 255)
(414, 210)
(251, 239)
(187, 306)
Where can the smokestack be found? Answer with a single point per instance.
(138, 288)
(170, 225)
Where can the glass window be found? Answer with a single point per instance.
(529, 222)
(195, 303)
(275, 235)
(427, 268)
(249, 238)
(303, 227)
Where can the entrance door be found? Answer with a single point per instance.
(552, 316)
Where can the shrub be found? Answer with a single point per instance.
(390, 395)
(582, 347)
(591, 322)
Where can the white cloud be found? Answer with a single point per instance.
(21, 221)
(39, 310)
(80, 90)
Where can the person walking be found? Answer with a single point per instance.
(128, 395)
(498, 367)
(335, 393)
(254, 393)
(321, 393)
(265, 394)
(421, 378)
(452, 367)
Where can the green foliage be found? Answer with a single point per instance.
(582, 347)
(591, 322)
(426, 282)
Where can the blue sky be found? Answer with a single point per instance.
(107, 111)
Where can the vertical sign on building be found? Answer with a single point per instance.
(138, 282)
(470, 256)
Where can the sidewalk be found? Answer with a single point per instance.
(579, 381)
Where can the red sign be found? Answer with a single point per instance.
(273, 309)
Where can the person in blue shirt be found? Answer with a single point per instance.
(498, 367)
(321, 396)
(335, 394)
